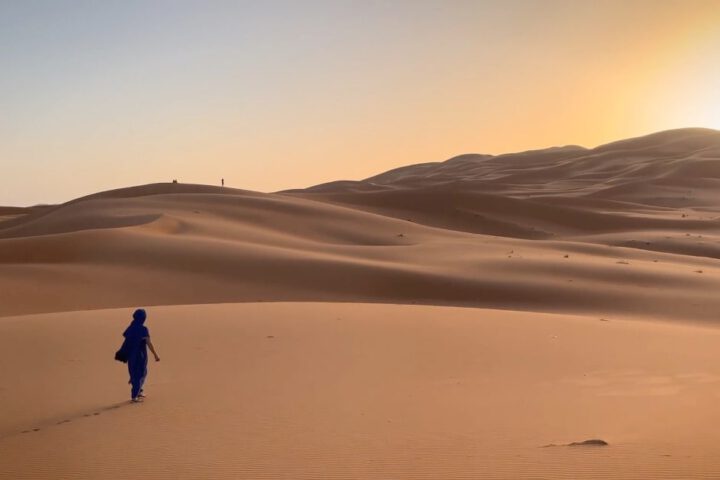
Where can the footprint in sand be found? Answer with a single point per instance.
(69, 420)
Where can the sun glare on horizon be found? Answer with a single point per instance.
(286, 98)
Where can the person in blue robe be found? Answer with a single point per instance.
(137, 341)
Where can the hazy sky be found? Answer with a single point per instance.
(273, 95)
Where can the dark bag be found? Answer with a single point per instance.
(122, 354)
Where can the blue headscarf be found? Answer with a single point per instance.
(136, 329)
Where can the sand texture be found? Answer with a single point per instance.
(317, 333)
(330, 391)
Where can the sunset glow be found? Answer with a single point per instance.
(284, 95)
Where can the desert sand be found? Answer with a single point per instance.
(323, 390)
(442, 320)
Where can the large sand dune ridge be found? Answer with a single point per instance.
(626, 228)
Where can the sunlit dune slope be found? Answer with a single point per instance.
(328, 391)
(549, 230)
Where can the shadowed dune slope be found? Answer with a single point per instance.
(627, 228)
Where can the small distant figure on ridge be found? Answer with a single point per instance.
(222, 182)
(175, 180)
(134, 352)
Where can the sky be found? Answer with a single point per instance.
(273, 95)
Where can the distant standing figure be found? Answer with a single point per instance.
(137, 339)
(222, 182)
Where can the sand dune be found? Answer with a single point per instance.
(558, 230)
(593, 274)
(667, 170)
(676, 157)
(205, 248)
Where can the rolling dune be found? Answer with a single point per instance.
(558, 230)
(592, 277)
(206, 248)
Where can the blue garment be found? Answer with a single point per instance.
(136, 345)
